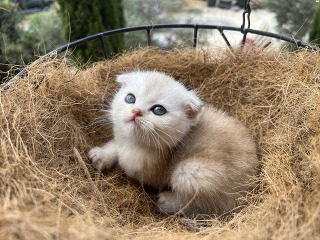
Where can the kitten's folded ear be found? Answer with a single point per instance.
(194, 105)
(123, 78)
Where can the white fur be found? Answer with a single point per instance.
(203, 154)
(103, 158)
(193, 176)
(142, 147)
(151, 88)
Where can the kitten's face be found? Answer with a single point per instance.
(153, 109)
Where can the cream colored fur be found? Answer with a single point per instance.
(204, 155)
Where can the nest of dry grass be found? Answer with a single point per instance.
(51, 117)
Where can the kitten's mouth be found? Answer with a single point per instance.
(134, 121)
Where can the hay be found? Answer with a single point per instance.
(52, 116)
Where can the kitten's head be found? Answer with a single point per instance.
(154, 109)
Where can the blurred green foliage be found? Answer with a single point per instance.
(143, 12)
(25, 37)
(22, 43)
(10, 43)
(293, 16)
(47, 27)
(314, 34)
(82, 18)
(149, 12)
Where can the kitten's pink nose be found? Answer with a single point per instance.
(136, 113)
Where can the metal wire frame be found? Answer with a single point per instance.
(149, 28)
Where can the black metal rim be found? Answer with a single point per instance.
(149, 28)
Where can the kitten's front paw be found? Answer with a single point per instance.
(95, 157)
(100, 159)
(168, 203)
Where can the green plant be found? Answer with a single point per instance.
(156, 12)
(82, 18)
(314, 34)
(22, 40)
(47, 27)
(10, 37)
(293, 16)
(196, 11)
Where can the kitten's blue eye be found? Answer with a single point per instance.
(130, 98)
(158, 110)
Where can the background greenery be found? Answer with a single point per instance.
(22, 43)
(293, 16)
(314, 35)
(83, 18)
(25, 37)
(151, 12)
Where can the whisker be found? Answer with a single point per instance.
(179, 141)
(173, 139)
(156, 140)
(102, 118)
(169, 125)
(160, 137)
(154, 136)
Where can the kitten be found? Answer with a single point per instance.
(165, 137)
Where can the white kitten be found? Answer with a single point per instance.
(165, 137)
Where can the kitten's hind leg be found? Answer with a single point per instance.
(196, 189)
(104, 158)
(168, 203)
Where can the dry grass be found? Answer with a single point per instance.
(48, 190)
